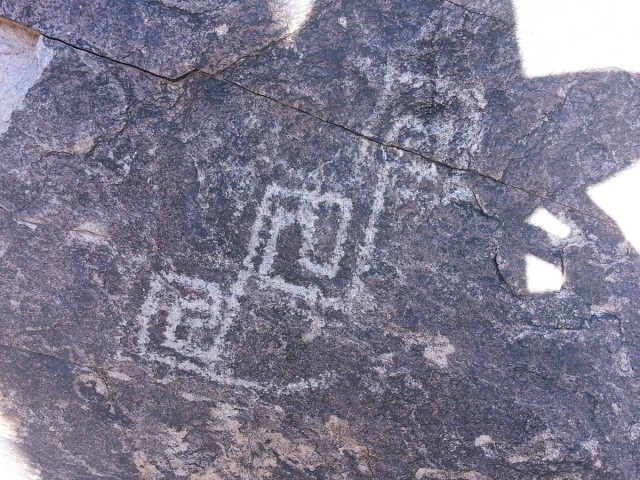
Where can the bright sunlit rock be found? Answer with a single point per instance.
(545, 220)
(562, 36)
(542, 276)
(294, 13)
(12, 464)
(619, 197)
(23, 57)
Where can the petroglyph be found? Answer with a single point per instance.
(281, 208)
(187, 310)
(324, 262)
(184, 321)
(180, 326)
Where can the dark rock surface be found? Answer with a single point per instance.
(450, 87)
(169, 38)
(324, 263)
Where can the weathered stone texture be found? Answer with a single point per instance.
(319, 264)
(166, 37)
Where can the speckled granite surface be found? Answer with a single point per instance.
(298, 240)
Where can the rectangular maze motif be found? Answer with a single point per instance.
(182, 315)
(286, 230)
(303, 243)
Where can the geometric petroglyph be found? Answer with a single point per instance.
(307, 206)
(182, 314)
(181, 324)
(302, 214)
(297, 246)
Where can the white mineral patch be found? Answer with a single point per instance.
(545, 447)
(592, 446)
(119, 376)
(222, 30)
(483, 440)
(23, 57)
(90, 232)
(623, 361)
(437, 349)
(434, 474)
(92, 380)
(147, 470)
(315, 329)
